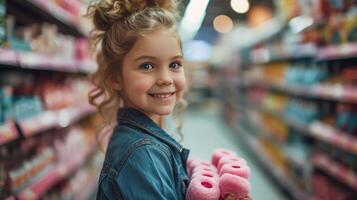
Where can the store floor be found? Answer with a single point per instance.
(204, 130)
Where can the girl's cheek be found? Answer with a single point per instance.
(181, 83)
(180, 86)
(141, 85)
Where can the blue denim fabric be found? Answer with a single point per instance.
(142, 161)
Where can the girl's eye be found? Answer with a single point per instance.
(146, 66)
(175, 65)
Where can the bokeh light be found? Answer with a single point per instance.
(223, 24)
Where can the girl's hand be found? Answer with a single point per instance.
(231, 197)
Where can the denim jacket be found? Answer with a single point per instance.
(142, 162)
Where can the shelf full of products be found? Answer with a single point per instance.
(296, 96)
(45, 61)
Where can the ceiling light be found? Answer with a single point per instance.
(240, 6)
(192, 19)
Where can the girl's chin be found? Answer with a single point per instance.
(165, 112)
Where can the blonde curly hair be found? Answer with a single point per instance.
(117, 26)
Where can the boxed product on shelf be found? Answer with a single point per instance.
(276, 127)
(26, 107)
(302, 111)
(346, 118)
(298, 153)
(6, 101)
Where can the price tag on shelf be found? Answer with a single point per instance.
(321, 131)
(32, 59)
(343, 49)
(87, 66)
(338, 51)
(39, 61)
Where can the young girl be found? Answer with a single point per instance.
(140, 80)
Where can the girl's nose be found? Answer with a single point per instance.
(164, 78)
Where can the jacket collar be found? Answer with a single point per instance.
(142, 121)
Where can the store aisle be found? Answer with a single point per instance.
(204, 130)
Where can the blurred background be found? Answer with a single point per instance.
(274, 81)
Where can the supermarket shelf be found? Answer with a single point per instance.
(58, 173)
(8, 57)
(335, 170)
(332, 92)
(41, 184)
(260, 131)
(50, 12)
(284, 181)
(337, 52)
(8, 132)
(306, 51)
(35, 61)
(52, 119)
(318, 130)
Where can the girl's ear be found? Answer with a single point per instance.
(115, 82)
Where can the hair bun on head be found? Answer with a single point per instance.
(106, 12)
(168, 5)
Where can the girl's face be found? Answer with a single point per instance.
(152, 79)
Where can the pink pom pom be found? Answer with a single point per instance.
(203, 173)
(203, 188)
(206, 168)
(194, 163)
(237, 186)
(199, 164)
(238, 169)
(188, 163)
(230, 159)
(218, 154)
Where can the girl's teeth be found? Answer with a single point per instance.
(161, 95)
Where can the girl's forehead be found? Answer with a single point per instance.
(159, 40)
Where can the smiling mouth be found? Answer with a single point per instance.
(162, 95)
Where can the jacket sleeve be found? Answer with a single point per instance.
(147, 174)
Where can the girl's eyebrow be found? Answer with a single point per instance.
(178, 56)
(153, 58)
(144, 57)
